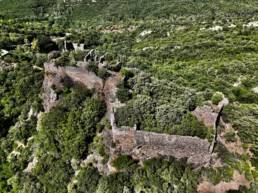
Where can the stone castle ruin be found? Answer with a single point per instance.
(141, 145)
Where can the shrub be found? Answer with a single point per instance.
(230, 136)
(79, 55)
(87, 180)
(127, 73)
(123, 162)
(103, 73)
(190, 126)
(93, 67)
(45, 44)
(92, 38)
(40, 59)
(123, 93)
(245, 96)
(217, 97)
(64, 60)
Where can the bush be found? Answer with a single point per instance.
(123, 162)
(245, 96)
(93, 67)
(79, 55)
(103, 73)
(64, 60)
(217, 97)
(45, 44)
(230, 136)
(123, 94)
(190, 126)
(40, 59)
(127, 73)
(87, 180)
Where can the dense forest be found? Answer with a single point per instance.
(175, 58)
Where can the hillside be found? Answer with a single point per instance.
(117, 9)
(128, 96)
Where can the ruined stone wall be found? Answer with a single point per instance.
(142, 145)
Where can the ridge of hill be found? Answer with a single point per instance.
(120, 9)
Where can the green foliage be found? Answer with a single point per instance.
(159, 175)
(91, 39)
(123, 93)
(79, 55)
(93, 67)
(244, 120)
(53, 173)
(245, 96)
(168, 73)
(45, 44)
(17, 91)
(25, 8)
(113, 183)
(160, 106)
(5, 174)
(40, 59)
(88, 179)
(65, 133)
(230, 136)
(123, 162)
(97, 146)
(71, 127)
(217, 97)
(190, 126)
(63, 60)
(87, 10)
